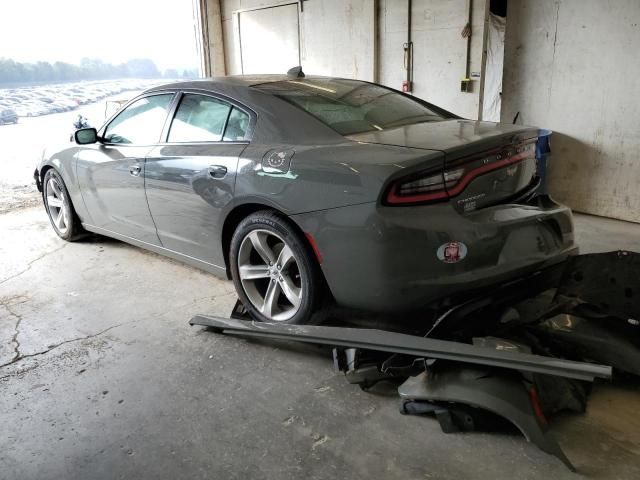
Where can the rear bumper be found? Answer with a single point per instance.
(380, 258)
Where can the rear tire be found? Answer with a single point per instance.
(274, 272)
(57, 202)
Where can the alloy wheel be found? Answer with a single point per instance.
(270, 275)
(58, 205)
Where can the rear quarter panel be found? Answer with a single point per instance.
(326, 176)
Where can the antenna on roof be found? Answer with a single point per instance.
(295, 72)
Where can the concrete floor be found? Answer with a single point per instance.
(102, 377)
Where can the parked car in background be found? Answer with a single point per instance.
(38, 100)
(8, 115)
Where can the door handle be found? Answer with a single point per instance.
(135, 170)
(217, 171)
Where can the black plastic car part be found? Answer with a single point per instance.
(587, 307)
(501, 392)
(391, 342)
(607, 281)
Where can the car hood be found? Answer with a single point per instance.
(450, 136)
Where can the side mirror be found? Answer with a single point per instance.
(85, 136)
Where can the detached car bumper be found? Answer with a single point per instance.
(381, 258)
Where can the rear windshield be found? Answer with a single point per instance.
(350, 106)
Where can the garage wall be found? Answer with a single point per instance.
(266, 31)
(364, 39)
(337, 37)
(439, 50)
(572, 66)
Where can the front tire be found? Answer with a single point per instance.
(273, 270)
(58, 204)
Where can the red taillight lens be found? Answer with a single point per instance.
(434, 187)
(431, 184)
(424, 189)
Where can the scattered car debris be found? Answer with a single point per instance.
(391, 342)
(504, 393)
(520, 354)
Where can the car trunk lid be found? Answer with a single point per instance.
(484, 163)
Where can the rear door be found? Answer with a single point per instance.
(111, 173)
(191, 177)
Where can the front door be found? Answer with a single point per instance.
(191, 178)
(111, 172)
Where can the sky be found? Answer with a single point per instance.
(112, 30)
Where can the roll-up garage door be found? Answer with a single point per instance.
(269, 39)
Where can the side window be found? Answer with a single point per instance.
(237, 126)
(199, 119)
(141, 122)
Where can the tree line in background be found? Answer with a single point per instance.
(89, 69)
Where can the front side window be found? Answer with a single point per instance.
(141, 122)
(350, 106)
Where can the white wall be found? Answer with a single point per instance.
(336, 36)
(440, 52)
(354, 38)
(573, 66)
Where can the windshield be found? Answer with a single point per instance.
(351, 106)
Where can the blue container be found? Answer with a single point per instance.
(543, 151)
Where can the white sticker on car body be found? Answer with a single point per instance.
(277, 161)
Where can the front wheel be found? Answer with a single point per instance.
(57, 201)
(273, 270)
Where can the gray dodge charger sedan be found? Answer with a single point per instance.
(306, 189)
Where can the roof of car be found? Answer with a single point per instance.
(231, 80)
(296, 128)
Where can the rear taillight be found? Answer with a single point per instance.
(433, 187)
(431, 184)
(424, 189)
